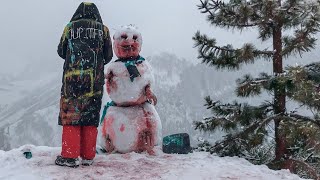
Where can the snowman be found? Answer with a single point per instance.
(131, 122)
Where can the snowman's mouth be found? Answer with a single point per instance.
(127, 47)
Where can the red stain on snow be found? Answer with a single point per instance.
(122, 128)
(107, 127)
(147, 116)
(147, 134)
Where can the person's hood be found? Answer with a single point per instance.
(87, 11)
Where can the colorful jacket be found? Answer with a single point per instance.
(86, 47)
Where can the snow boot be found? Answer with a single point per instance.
(70, 162)
(87, 162)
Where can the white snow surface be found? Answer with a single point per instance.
(198, 165)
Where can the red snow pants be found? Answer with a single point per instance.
(79, 141)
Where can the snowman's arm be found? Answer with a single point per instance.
(109, 76)
(150, 95)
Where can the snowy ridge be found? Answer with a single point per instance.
(31, 117)
(167, 69)
(32, 105)
(180, 86)
(197, 165)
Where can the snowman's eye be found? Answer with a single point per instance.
(135, 37)
(124, 36)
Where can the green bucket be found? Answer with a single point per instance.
(176, 144)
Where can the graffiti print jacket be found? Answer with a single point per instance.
(86, 47)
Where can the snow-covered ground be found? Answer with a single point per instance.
(198, 165)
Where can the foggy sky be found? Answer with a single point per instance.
(30, 30)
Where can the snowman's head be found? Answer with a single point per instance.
(127, 42)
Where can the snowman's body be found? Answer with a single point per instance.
(120, 88)
(126, 127)
(132, 124)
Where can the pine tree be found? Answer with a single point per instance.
(247, 125)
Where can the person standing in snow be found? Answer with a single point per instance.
(86, 47)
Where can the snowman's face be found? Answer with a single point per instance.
(127, 43)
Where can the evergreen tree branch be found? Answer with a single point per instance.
(294, 13)
(230, 117)
(227, 56)
(305, 81)
(302, 41)
(306, 18)
(220, 119)
(297, 117)
(248, 86)
(243, 135)
(295, 165)
(313, 72)
(212, 123)
(236, 14)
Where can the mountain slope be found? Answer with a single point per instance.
(31, 117)
(29, 107)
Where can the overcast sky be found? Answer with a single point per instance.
(30, 30)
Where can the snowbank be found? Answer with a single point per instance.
(134, 166)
